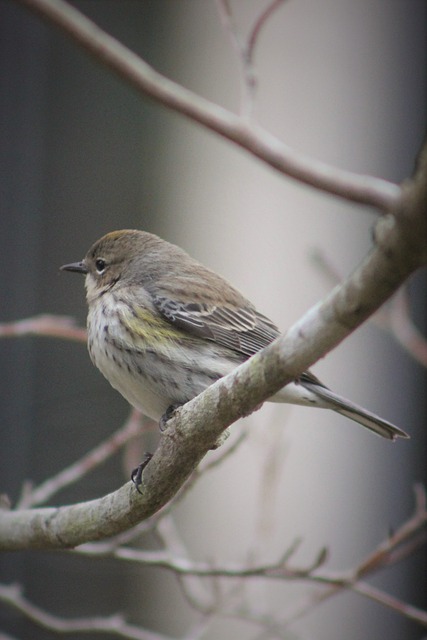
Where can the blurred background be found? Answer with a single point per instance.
(82, 154)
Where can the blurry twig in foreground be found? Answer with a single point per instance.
(44, 325)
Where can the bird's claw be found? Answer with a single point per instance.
(168, 415)
(136, 475)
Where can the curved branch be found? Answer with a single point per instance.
(400, 249)
(255, 140)
(194, 430)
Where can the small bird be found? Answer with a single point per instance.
(162, 328)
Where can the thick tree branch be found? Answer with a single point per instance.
(401, 248)
(393, 549)
(244, 133)
(388, 552)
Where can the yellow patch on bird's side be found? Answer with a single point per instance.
(152, 330)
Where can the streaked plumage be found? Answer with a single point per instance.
(162, 327)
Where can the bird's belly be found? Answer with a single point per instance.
(139, 389)
(153, 377)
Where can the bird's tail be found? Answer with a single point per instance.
(354, 412)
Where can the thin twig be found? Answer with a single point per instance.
(76, 471)
(114, 625)
(260, 143)
(128, 536)
(229, 24)
(403, 328)
(215, 459)
(184, 567)
(44, 325)
(245, 50)
(195, 590)
(406, 610)
(258, 25)
(384, 555)
(248, 76)
(394, 317)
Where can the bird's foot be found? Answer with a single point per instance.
(136, 475)
(168, 414)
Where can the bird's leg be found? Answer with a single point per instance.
(136, 475)
(168, 415)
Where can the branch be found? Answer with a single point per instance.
(407, 538)
(387, 553)
(394, 318)
(259, 24)
(404, 609)
(73, 473)
(393, 549)
(44, 325)
(186, 567)
(246, 50)
(397, 319)
(195, 428)
(384, 554)
(258, 142)
(400, 249)
(115, 625)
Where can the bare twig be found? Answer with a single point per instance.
(389, 552)
(363, 189)
(229, 24)
(195, 590)
(394, 317)
(258, 25)
(148, 525)
(248, 81)
(184, 567)
(215, 459)
(386, 554)
(196, 426)
(397, 316)
(246, 50)
(400, 249)
(114, 625)
(44, 325)
(76, 471)
(406, 610)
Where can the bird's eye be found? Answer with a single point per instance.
(100, 265)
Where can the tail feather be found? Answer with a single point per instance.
(354, 412)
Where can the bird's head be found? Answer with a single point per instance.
(116, 258)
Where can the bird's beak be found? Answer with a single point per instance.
(78, 267)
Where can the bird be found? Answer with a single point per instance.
(162, 327)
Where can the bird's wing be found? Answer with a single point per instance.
(241, 329)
